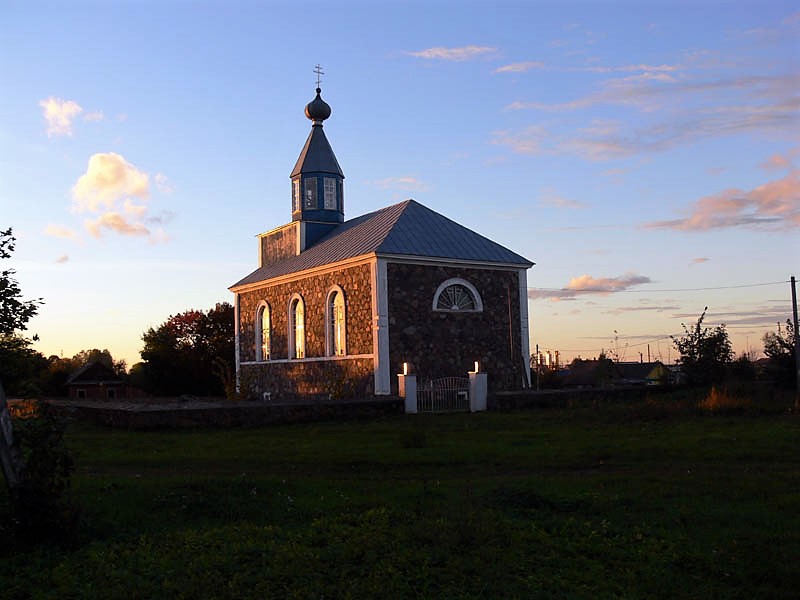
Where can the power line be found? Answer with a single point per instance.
(604, 290)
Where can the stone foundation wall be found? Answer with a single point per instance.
(335, 378)
(355, 283)
(442, 344)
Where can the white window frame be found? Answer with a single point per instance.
(297, 199)
(297, 332)
(476, 297)
(332, 348)
(263, 351)
(330, 193)
(310, 201)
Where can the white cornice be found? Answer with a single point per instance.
(372, 256)
(432, 260)
(298, 275)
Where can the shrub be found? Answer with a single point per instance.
(41, 508)
(720, 401)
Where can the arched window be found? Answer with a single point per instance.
(263, 333)
(297, 327)
(336, 329)
(457, 295)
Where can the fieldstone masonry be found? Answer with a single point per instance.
(316, 374)
(444, 344)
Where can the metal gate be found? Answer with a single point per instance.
(447, 394)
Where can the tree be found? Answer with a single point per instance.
(19, 363)
(705, 353)
(181, 356)
(780, 348)
(14, 312)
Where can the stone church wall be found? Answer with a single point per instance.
(308, 376)
(442, 344)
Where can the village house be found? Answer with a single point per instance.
(340, 307)
(97, 381)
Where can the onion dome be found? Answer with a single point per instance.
(318, 110)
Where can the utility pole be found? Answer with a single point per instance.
(796, 343)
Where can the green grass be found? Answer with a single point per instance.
(587, 503)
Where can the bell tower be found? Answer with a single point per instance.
(317, 179)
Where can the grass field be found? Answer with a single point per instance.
(613, 502)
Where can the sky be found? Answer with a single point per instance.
(645, 155)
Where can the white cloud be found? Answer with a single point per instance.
(60, 231)
(453, 54)
(674, 109)
(115, 222)
(94, 116)
(520, 67)
(134, 210)
(407, 183)
(554, 200)
(527, 141)
(109, 178)
(59, 115)
(164, 185)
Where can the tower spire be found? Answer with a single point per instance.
(317, 178)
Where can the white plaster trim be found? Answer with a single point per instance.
(524, 324)
(380, 330)
(329, 342)
(457, 281)
(236, 337)
(279, 361)
(301, 237)
(276, 229)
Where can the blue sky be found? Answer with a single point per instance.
(635, 151)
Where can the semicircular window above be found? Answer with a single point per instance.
(457, 295)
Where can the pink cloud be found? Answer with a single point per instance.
(586, 284)
(774, 205)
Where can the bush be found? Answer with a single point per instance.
(40, 505)
(721, 401)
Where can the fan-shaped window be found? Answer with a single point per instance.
(457, 295)
(297, 327)
(263, 333)
(336, 332)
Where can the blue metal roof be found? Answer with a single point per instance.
(405, 229)
(317, 155)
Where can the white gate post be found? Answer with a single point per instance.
(407, 385)
(478, 387)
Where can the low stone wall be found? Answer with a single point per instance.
(569, 398)
(222, 414)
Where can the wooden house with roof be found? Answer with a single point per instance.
(337, 307)
(96, 381)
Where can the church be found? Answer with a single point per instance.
(339, 307)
